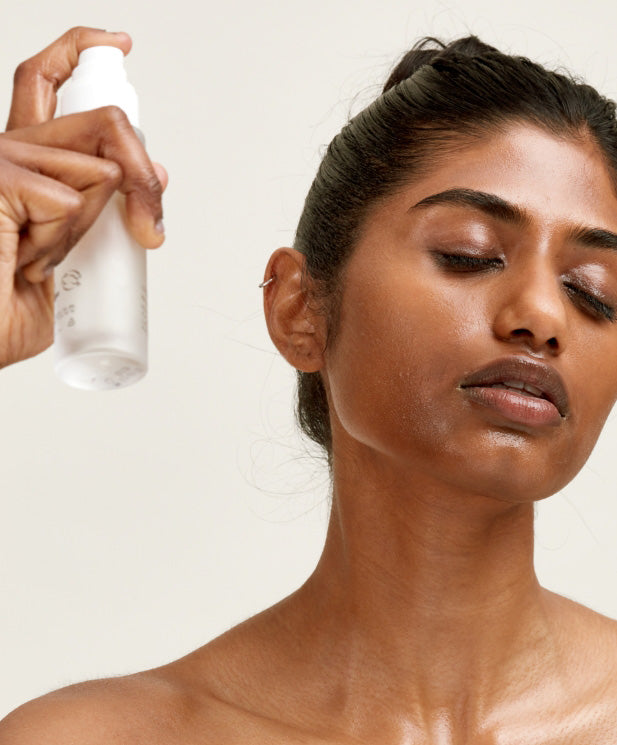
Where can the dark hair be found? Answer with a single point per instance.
(437, 97)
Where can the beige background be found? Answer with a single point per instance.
(138, 524)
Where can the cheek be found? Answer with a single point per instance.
(397, 361)
(594, 367)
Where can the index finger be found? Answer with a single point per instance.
(107, 133)
(37, 80)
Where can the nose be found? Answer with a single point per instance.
(531, 309)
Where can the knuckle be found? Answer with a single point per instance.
(153, 186)
(150, 188)
(73, 205)
(114, 117)
(112, 126)
(24, 71)
(76, 31)
(111, 173)
(72, 37)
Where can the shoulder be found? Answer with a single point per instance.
(176, 704)
(585, 624)
(208, 696)
(589, 644)
(142, 708)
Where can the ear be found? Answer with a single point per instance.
(297, 332)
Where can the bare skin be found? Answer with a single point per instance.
(423, 621)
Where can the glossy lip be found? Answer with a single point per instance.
(527, 370)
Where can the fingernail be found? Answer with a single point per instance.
(49, 270)
(160, 226)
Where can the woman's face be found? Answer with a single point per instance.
(496, 270)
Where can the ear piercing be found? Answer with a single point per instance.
(267, 282)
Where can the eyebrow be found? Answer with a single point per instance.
(491, 204)
(594, 237)
(497, 207)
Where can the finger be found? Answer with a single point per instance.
(46, 245)
(75, 169)
(37, 217)
(161, 173)
(95, 178)
(38, 78)
(107, 133)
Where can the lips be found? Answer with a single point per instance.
(523, 376)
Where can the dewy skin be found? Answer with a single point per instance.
(100, 330)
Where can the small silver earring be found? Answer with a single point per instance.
(267, 282)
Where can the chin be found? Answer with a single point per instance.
(518, 484)
(509, 467)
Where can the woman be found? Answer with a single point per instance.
(450, 305)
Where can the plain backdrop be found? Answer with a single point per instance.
(138, 524)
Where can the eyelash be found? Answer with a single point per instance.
(464, 263)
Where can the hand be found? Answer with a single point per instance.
(56, 176)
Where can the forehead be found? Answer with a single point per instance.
(557, 181)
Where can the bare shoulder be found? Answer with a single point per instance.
(212, 696)
(592, 639)
(185, 702)
(586, 622)
(146, 707)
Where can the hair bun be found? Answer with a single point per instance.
(423, 54)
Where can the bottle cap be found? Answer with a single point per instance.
(100, 80)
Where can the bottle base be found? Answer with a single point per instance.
(100, 370)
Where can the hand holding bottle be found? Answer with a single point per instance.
(56, 175)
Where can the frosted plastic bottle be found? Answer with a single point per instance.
(100, 329)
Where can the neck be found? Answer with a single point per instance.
(425, 603)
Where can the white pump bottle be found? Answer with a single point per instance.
(100, 330)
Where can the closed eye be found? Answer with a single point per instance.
(591, 303)
(466, 263)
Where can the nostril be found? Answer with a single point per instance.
(552, 343)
